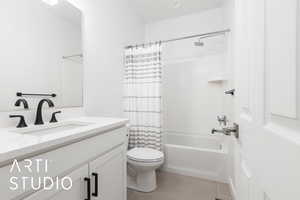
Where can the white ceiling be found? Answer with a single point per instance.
(154, 10)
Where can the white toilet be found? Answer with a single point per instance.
(141, 166)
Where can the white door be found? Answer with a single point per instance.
(108, 176)
(78, 191)
(267, 79)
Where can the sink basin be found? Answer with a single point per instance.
(51, 128)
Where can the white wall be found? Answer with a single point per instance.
(206, 21)
(109, 25)
(191, 104)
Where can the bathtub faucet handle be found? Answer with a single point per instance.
(222, 119)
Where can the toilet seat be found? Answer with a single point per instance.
(145, 155)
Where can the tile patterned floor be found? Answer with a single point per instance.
(177, 187)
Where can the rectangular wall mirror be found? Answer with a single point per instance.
(41, 52)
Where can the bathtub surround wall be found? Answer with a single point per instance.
(191, 101)
(229, 101)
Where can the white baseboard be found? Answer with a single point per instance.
(194, 173)
(232, 189)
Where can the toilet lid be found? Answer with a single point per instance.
(145, 155)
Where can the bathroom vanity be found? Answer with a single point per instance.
(90, 152)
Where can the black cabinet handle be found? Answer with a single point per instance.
(88, 183)
(96, 176)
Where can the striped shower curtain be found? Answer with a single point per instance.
(143, 100)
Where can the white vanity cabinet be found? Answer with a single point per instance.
(108, 176)
(96, 165)
(103, 178)
(77, 191)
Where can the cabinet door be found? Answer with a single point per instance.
(108, 176)
(78, 190)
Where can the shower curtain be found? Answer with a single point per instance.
(143, 100)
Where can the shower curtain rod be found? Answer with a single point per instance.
(181, 38)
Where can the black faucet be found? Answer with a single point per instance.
(25, 104)
(39, 116)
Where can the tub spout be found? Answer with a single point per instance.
(228, 130)
(214, 131)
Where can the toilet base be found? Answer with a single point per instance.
(142, 182)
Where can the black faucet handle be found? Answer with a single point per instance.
(22, 123)
(53, 118)
(25, 103)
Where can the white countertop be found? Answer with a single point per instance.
(18, 145)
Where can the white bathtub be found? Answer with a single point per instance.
(198, 156)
